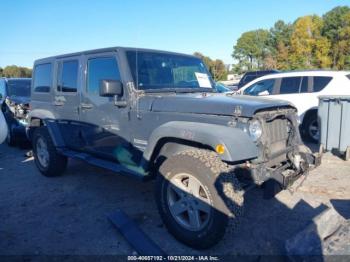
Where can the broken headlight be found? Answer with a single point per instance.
(255, 129)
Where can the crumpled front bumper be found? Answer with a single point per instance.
(308, 162)
(286, 174)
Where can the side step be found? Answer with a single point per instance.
(133, 171)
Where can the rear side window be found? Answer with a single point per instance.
(42, 78)
(102, 68)
(68, 76)
(320, 82)
(290, 85)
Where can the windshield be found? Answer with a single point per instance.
(19, 87)
(160, 71)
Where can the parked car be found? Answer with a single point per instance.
(250, 76)
(155, 115)
(14, 102)
(302, 89)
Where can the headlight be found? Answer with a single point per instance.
(255, 129)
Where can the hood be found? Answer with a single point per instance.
(20, 99)
(214, 104)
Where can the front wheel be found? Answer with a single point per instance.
(198, 197)
(49, 162)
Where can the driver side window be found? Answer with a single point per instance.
(264, 87)
(101, 68)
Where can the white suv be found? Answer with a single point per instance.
(302, 89)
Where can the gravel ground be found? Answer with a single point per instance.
(67, 215)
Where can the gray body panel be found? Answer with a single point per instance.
(214, 104)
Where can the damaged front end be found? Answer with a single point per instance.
(283, 157)
(16, 113)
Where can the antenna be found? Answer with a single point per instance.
(137, 84)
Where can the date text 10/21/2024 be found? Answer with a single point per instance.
(173, 258)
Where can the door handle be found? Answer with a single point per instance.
(86, 106)
(58, 103)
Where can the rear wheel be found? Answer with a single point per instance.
(46, 158)
(310, 128)
(198, 197)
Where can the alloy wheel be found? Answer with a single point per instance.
(188, 201)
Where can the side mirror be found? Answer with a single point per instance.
(109, 88)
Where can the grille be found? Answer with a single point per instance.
(277, 130)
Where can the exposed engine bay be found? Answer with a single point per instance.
(19, 110)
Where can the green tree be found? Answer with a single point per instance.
(309, 42)
(336, 26)
(335, 23)
(279, 43)
(308, 48)
(206, 59)
(219, 70)
(1, 71)
(216, 67)
(16, 71)
(252, 47)
(342, 47)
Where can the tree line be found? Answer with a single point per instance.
(15, 71)
(310, 42)
(216, 67)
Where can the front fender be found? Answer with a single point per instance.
(238, 144)
(41, 114)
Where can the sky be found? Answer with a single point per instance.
(32, 29)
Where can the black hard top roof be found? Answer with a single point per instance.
(109, 49)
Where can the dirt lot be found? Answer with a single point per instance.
(67, 215)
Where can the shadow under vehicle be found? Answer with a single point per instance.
(156, 115)
(14, 102)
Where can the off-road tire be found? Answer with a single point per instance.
(308, 120)
(225, 193)
(57, 163)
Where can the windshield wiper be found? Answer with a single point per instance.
(194, 90)
(179, 90)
